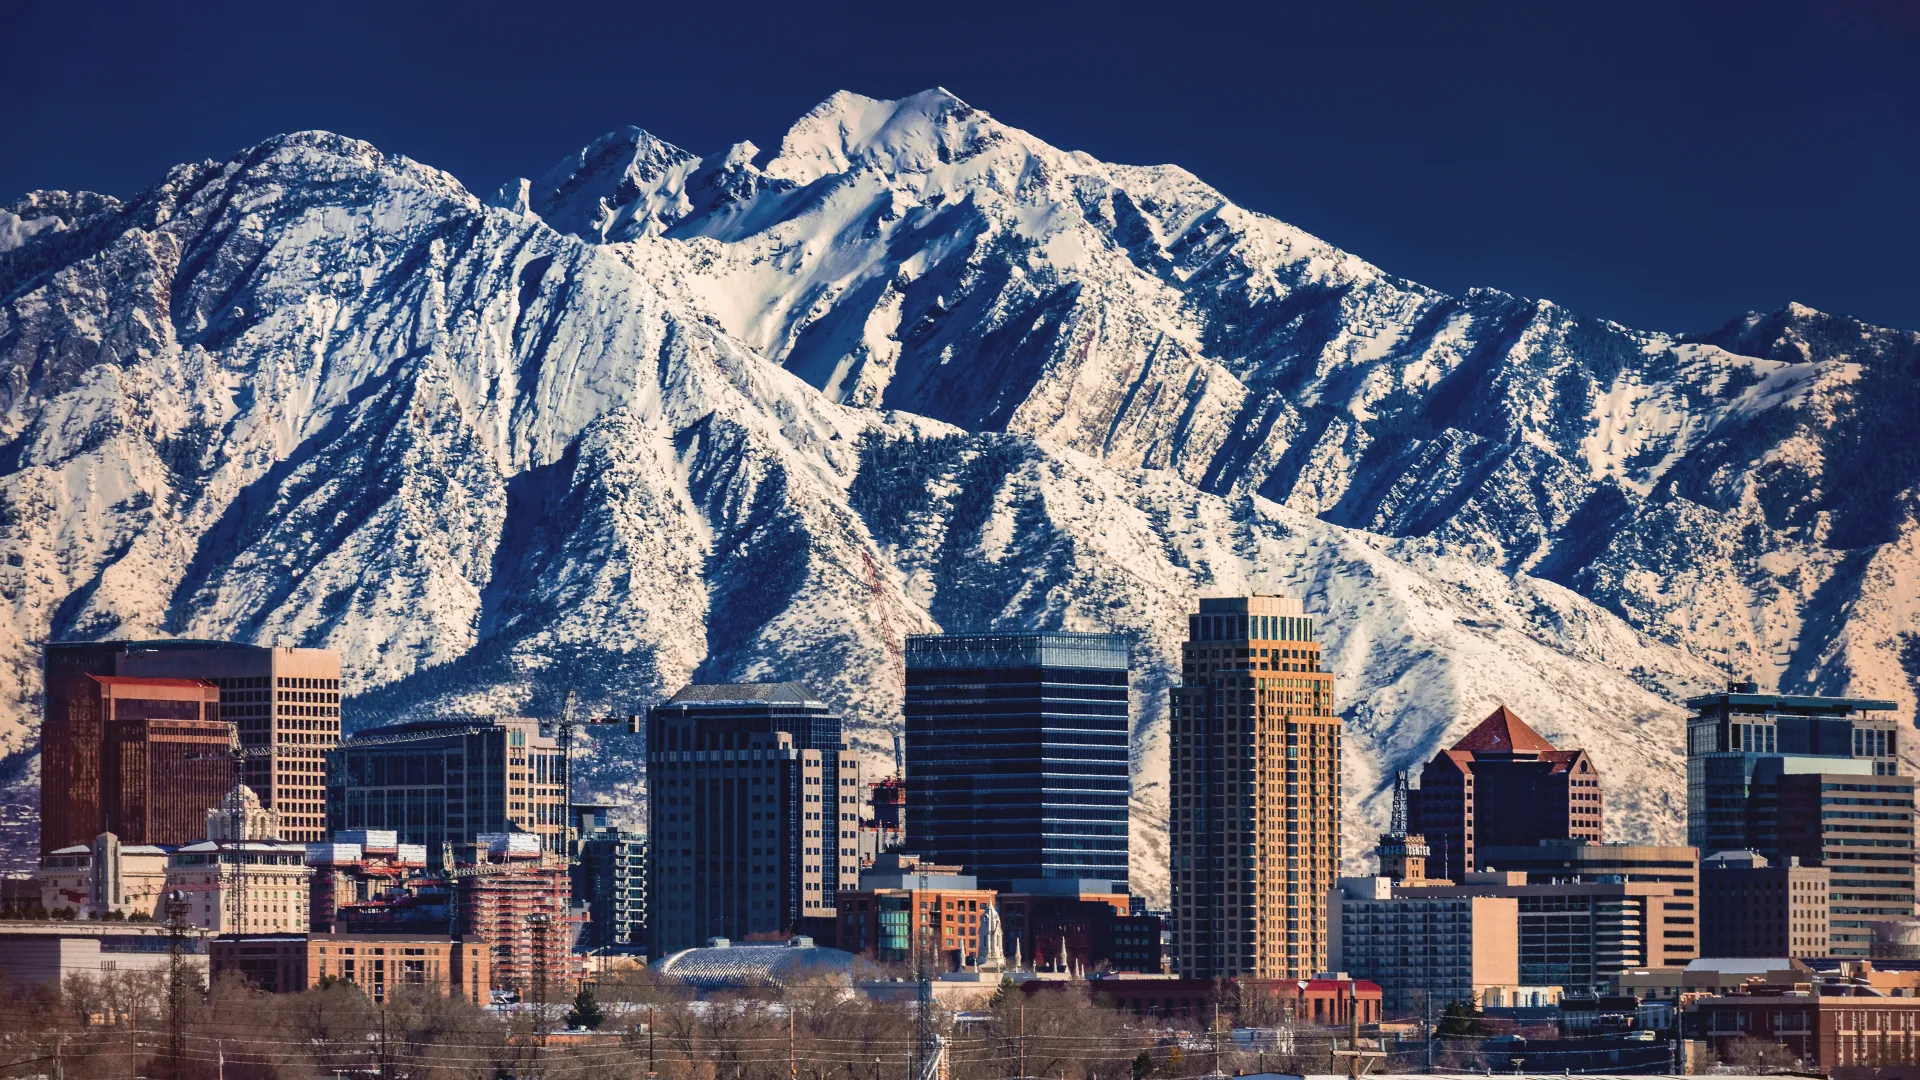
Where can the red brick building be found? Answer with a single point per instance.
(142, 758)
(878, 923)
(1502, 785)
(1310, 1002)
(378, 964)
(1827, 1031)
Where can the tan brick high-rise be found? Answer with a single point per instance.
(1254, 793)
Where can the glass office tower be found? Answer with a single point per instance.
(1017, 756)
(1813, 778)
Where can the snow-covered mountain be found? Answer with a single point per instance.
(656, 417)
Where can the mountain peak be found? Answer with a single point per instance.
(911, 134)
(586, 191)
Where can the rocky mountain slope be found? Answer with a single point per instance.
(656, 417)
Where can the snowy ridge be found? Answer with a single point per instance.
(655, 417)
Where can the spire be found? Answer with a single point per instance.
(1399, 826)
(1402, 854)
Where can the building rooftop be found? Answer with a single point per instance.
(142, 680)
(1040, 648)
(1503, 733)
(130, 644)
(125, 849)
(779, 693)
(1746, 696)
(1744, 965)
(724, 966)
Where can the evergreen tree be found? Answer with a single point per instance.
(585, 1012)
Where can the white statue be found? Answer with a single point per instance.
(993, 952)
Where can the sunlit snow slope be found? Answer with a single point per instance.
(655, 417)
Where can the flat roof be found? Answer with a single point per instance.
(1737, 699)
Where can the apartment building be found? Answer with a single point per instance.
(1453, 949)
(1254, 792)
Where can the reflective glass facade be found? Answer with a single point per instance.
(1017, 754)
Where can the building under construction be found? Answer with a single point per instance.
(516, 900)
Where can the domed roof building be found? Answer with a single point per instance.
(725, 965)
(241, 816)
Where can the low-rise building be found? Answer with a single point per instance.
(40, 952)
(104, 877)
(379, 964)
(1082, 925)
(1326, 1000)
(900, 893)
(1751, 908)
(1711, 975)
(244, 879)
(242, 886)
(1827, 1031)
(1412, 941)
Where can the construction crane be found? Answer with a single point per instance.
(563, 733)
(238, 755)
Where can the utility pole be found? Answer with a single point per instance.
(133, 1036)
(59, 1072)
(1353, 1029)
(1426, 1026)
(1216, 1029)
(650, 1069)
(1023, 1035)
(793, 1063)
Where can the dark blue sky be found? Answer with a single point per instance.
(1669, 165)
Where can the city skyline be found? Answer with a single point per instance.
(959, 543)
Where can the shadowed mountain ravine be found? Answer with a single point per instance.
(657, 416)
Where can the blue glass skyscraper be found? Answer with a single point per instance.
(1017, 755)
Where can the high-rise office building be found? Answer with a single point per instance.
(440, 782)
(144, 759)
(284, 703)
(1814, 778)
(1749, 907)
(1254, 793)
(753, 813)
(1741, 742)
(1503, 785)
(1017, 758)
(1860, 829)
